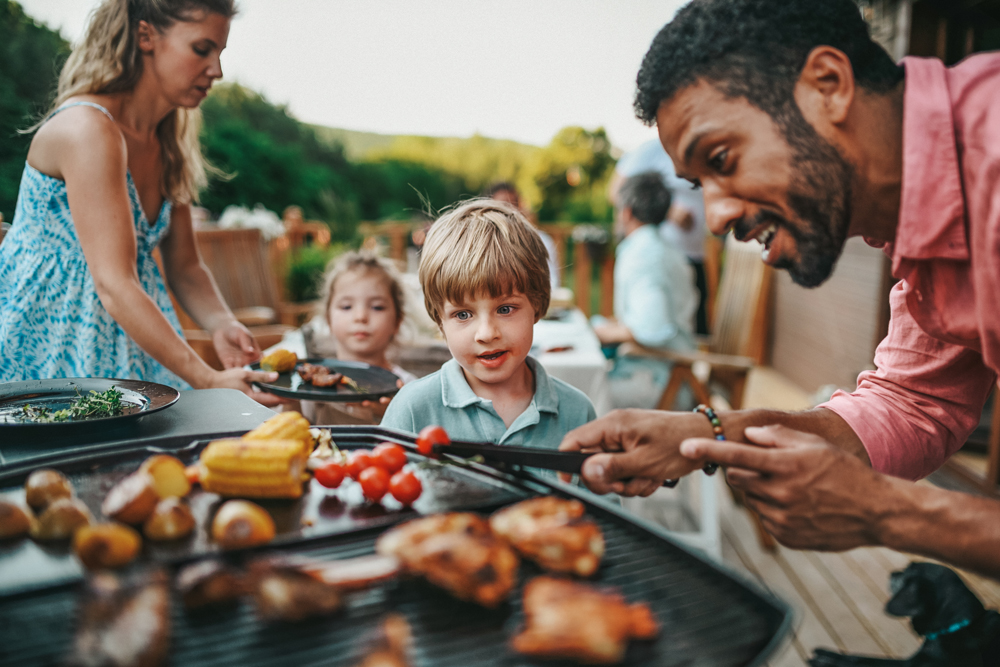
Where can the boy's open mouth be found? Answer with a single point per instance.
(492, 358)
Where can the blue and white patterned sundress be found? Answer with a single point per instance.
(52, 324)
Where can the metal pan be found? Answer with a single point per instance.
(374, 382)
(143, 398)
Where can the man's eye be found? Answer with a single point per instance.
(201, 52)
(718, 161)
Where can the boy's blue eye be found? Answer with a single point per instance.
(505, 310)
(462, 315)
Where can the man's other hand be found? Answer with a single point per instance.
(808, 493)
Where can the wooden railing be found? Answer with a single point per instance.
(396, 236)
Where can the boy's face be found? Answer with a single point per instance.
(489, 337)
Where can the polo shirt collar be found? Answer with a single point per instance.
(932, 203)
(456, 392)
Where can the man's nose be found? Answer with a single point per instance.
(722, 211)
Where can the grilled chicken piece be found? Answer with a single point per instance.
(123, 623)
(552, 532)
(567, 619)
(209, 583)
(318, 376)
(284, 593)
(354, 574)
(457, 552)
(391, 645)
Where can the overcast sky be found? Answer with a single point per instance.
(519, 69)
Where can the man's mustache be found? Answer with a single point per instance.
(743, 226)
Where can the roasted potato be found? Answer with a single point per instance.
(106, 545)
(46, 486)
(170, 520)
(169, 478)
(15, 520)
(132, 500)
(279, 361)
(61, 519)
(241, 523)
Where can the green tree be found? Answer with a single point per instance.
(570, 176)
(30, 58)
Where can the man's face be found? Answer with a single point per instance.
(782, 185)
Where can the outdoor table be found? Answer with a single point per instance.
(584, 366)
(195, 413)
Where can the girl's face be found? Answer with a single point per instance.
(184, 60)
(362, 316)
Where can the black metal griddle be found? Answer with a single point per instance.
(708, 614)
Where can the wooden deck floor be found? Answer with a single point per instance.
(839, 598)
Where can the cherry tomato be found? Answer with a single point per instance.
(359, 460)
(405, 487)
(390, 457)
(330, 475)
(430, 436)
(374, 483)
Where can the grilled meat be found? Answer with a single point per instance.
(318, 376)
(456, 552)
(552, 532)
(567, 619)
(353, 574)
(209, 583)
(282, 592)
(391, 645)
(123, 622)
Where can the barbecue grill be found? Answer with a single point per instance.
(708, 614)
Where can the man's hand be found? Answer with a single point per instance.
(235, 345)
(638, 449)
(808, 493)
(613, 332)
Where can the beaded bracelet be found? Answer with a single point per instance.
(708, 468)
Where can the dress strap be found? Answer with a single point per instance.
(80, 104)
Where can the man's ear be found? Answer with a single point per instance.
(144, 36)
(825, 89)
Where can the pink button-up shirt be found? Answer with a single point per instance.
(942, 353)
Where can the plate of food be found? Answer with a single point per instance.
(318, 379)
(80, 402)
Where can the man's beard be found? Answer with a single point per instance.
(819, 194)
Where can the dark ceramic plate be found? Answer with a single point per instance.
(374, 382)
(142, 398)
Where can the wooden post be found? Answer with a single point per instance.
(608, 285)
(582, 273)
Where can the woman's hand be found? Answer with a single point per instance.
(241, 379)
(235, 345)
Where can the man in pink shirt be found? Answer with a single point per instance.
(802, 132)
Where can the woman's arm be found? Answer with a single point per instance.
(195, 289)
(90, 155)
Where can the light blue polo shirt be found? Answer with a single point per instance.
(444, 398)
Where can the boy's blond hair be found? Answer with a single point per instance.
(483, 247)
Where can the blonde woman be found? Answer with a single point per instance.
(110, 175)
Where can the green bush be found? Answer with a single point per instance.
(304, 277)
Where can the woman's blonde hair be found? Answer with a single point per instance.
(108, 60)
(483, 246)
(363, 262)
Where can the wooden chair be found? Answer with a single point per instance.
(737, 343)
(240, 262)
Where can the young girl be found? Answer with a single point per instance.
(362, 304)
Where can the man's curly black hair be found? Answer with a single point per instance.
(756, 49)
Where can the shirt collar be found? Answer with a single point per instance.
(638, 237)
(456, 392)
(932, 204)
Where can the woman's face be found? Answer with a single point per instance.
(362, 316)
(184, 60)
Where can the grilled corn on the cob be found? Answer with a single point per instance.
(280, 361)
(284, 426)
(253, 468)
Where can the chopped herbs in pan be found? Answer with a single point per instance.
(92, 406)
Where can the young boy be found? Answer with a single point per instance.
(486, 282)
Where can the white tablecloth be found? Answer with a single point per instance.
(584, 366)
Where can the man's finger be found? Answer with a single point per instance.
(779, 436)
(607, 472)
(727, 453)
(600, 434)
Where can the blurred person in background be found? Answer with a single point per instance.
(655, 299)
(684, 225)
(111, 175)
